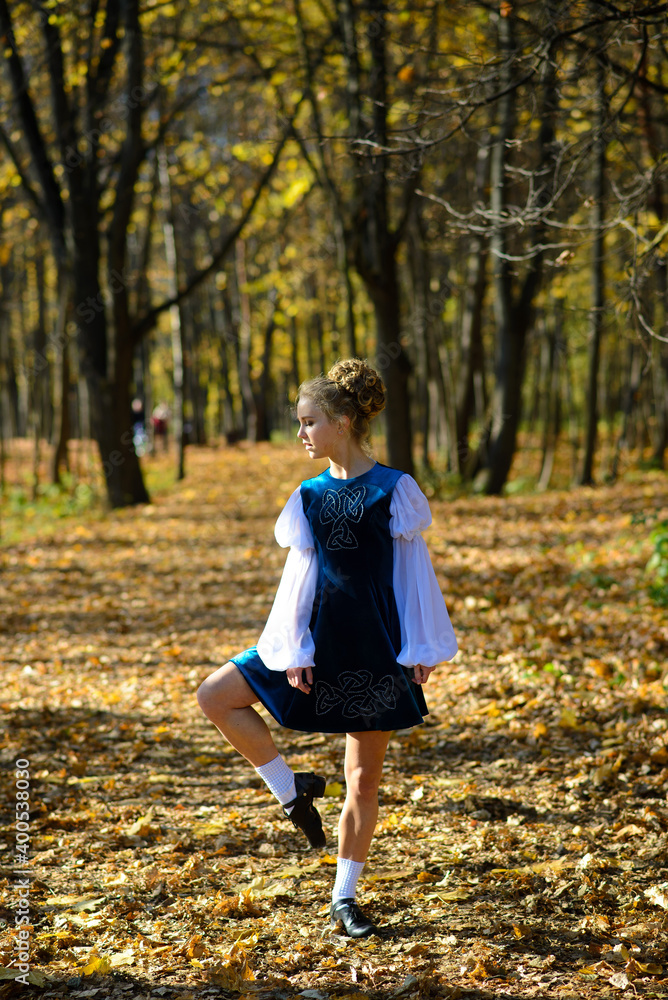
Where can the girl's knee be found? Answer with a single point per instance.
(205, 695)
(211, 691)
(362, 784)
(223, 690)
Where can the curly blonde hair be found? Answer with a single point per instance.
(350, 389)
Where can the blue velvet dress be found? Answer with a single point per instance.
(358, 683)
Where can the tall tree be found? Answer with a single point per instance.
(586, 473)
(82, 180)
(514, 309)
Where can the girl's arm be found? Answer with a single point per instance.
(286, 640)
(427, 636)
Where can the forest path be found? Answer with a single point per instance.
(521, 849)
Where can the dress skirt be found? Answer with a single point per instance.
(354, 702)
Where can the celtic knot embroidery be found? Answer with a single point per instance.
(356, 695)
(340, 507)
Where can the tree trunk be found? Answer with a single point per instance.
(511, 336)
(61, 403)
(419, 274)
(223, 324)
(659, 348)
(8, 391)
(344, 268)
(394, 367)
(175, 313)
(40, 384)
(263, 394)
(634, 371)
(514, 315)
(198, 386)
(660, 389)
(551, 395)
(586, 474)
(294, 351)
(110, 402)
(373, 242)
(245, 382)
(471, 358)
(315, 322)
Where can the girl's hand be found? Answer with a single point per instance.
(296, 678)
(421, 674)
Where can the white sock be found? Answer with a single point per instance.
(279, 779)
(347, 874)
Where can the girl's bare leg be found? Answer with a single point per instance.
(365, 754)
(226, 699)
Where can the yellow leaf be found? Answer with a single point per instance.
(122, 958)
(195, 947)
(76, 904)
(449, 897)
(537, 868)
(247, 939)
(142, 826)
(88, 922)
(390, 876)
(549, 866)
(569, 719)
(631, 830)
(539, 730)
(233, 971)
(208, 829)
(650, 969)
(334, 790)
(259, 890)
(119, 879)
(96, 965)
(297, 870)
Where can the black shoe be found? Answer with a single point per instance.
(348, 913)
(303, 813)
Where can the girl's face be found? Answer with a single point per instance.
(321, 436)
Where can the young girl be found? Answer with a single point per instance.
(357, 626)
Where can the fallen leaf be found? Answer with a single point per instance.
(142, 826)
(96, 964)
(34, 977)
(76, 904)
(658, 895)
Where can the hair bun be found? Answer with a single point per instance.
(360, 381)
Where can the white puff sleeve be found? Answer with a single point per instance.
(427, 636)
(286, 640)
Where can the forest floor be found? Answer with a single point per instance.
(522, 845)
